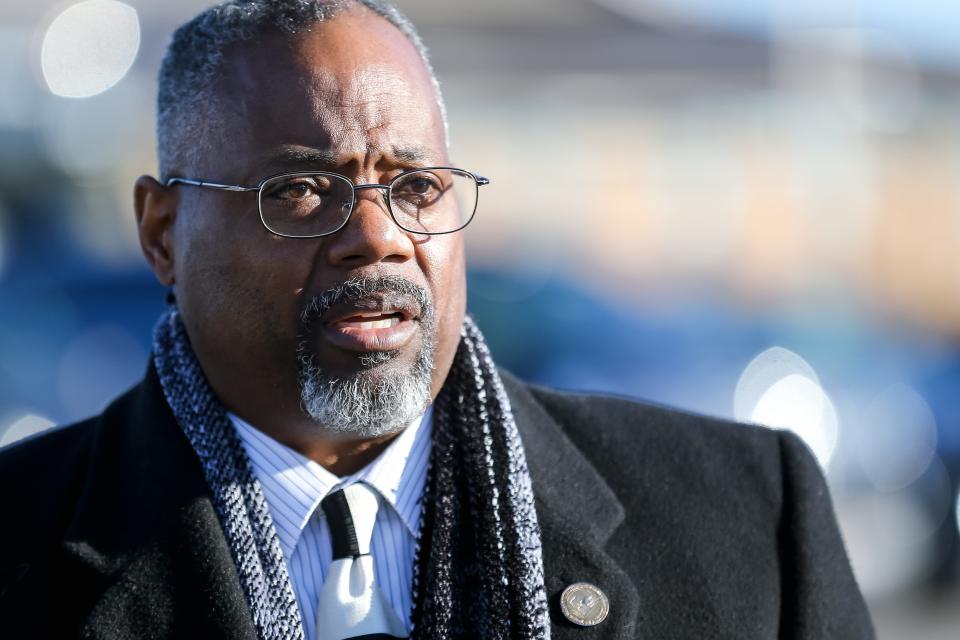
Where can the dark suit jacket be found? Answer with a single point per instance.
(694, 528)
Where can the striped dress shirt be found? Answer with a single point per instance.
(294, 486)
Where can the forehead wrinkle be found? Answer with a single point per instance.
(372, 91)
(356, 108)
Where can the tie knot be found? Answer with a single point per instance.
(351, 513)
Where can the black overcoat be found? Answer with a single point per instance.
(693, 527)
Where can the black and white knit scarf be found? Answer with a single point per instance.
(479, 568)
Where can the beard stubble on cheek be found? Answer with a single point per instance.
(389, 389)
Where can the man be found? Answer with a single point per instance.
(322, 447)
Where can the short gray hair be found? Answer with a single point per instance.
(195, 54)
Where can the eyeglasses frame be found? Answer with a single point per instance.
(205, 184)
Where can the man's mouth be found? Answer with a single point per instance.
(367, 321)
(376, 323)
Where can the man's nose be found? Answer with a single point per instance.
(370, 236)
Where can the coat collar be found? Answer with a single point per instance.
(578, 513)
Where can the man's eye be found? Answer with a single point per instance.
(300, 189)
(419, 186)
(292, 191)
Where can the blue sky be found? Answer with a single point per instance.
(928, 30)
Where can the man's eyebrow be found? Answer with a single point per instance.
(414, 156)
(309, 158)
(300, 158)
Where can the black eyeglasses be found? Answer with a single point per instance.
(431, 201)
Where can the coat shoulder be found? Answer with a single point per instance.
(632, 442)
(621, 418)
(734, 520)
(28, 459)
(38, 473)
(43, 477)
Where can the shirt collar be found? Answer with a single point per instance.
(294, 485)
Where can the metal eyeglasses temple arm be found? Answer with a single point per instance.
(232, 187)
(211, 185)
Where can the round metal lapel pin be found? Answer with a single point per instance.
(584, 604)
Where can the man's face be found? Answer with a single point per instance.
(350, 96)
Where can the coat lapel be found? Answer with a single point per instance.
(146, 545)
(578, 512)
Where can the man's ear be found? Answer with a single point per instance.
(156, 208)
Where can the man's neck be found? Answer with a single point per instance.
(338, 455)
(343, 458)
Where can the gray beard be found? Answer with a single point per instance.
(369, 403)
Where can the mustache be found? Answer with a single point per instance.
(358, 289)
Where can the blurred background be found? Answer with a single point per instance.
(748, 208)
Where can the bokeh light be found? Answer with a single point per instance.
(799, 404)
(896, 438)
(24, 427)
(891, 537)
(89, 47)
(766, 369)
(879, 526)
(780, 389)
